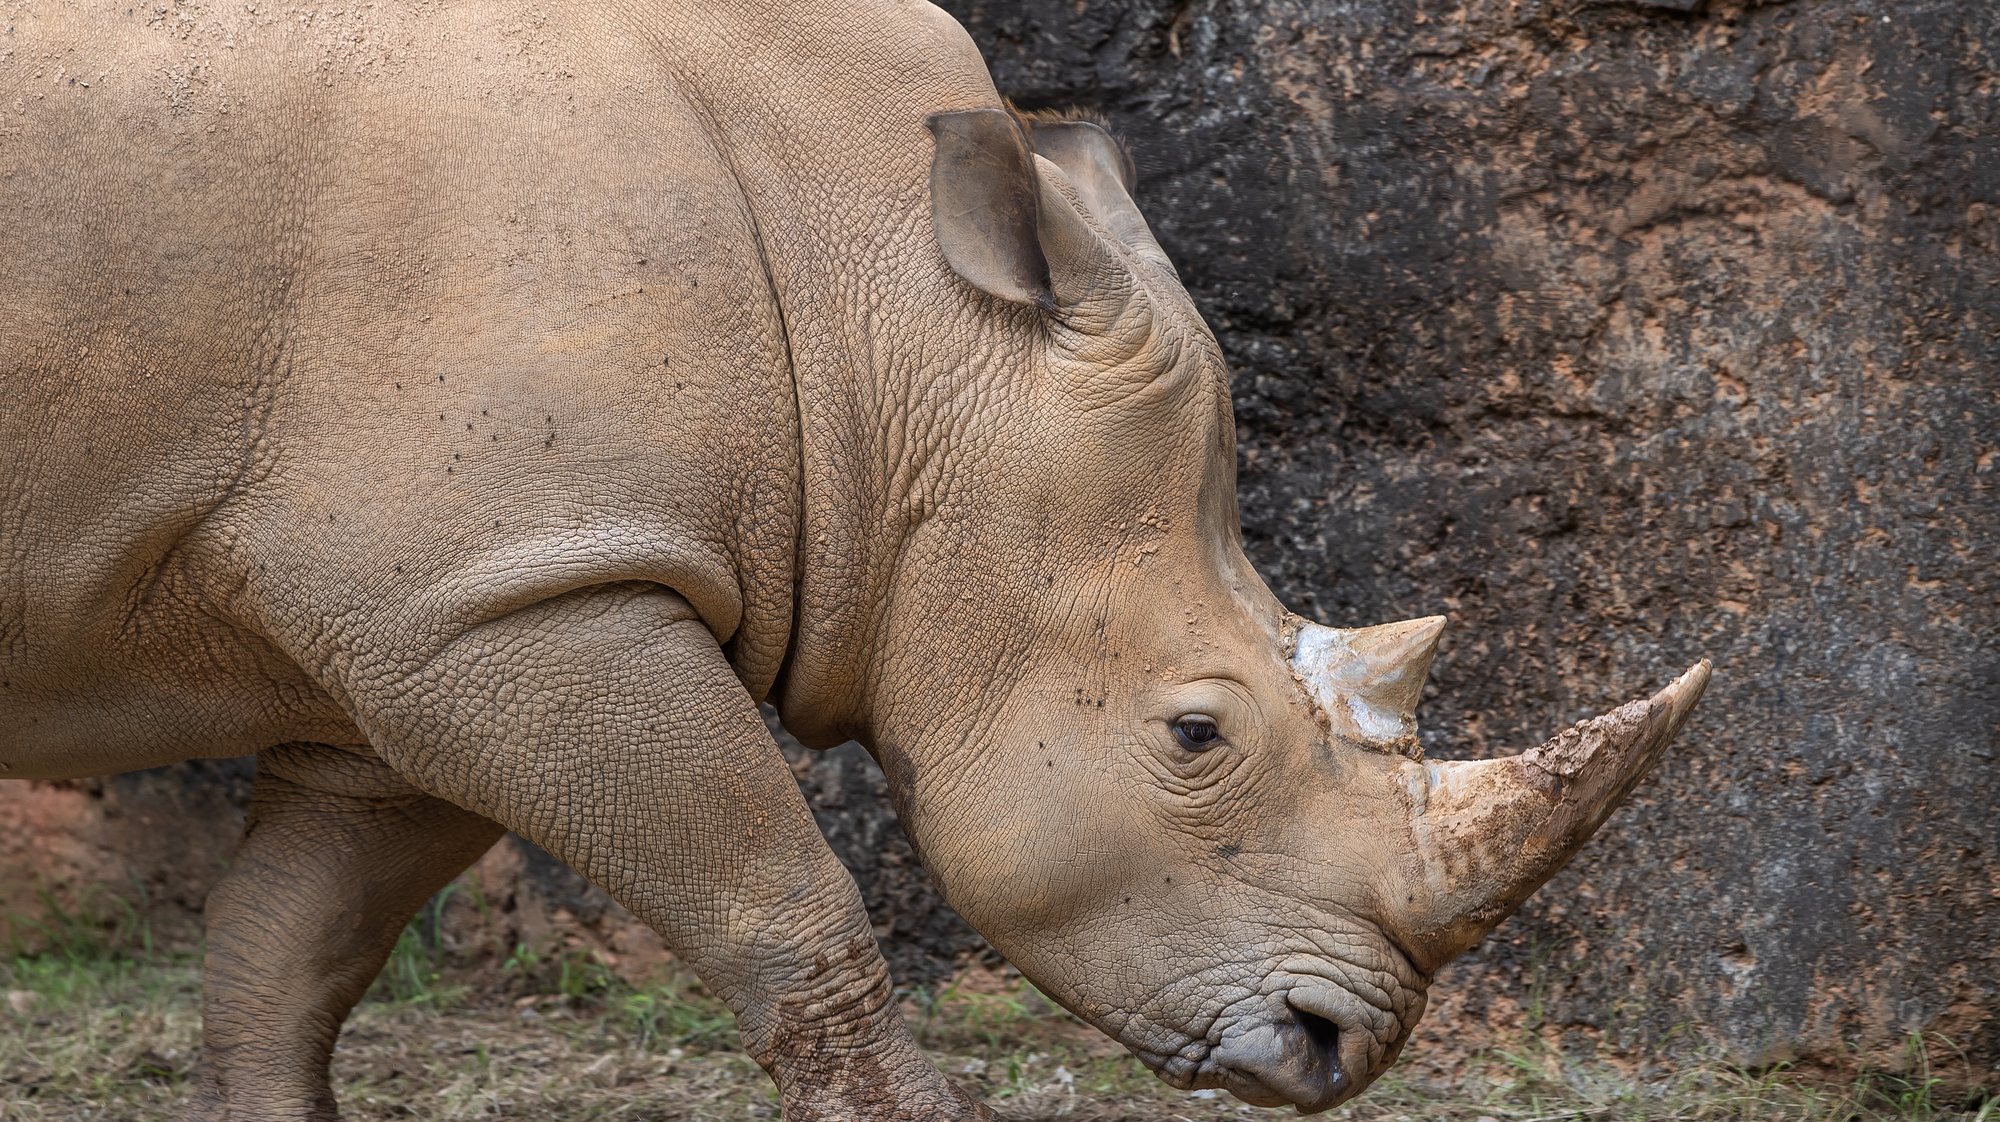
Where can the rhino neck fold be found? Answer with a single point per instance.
(820, 118)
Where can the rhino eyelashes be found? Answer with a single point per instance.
(1197, 732)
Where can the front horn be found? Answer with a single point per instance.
(1490, 832)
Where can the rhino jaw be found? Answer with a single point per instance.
(1490, 832)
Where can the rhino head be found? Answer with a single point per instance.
(1199, 822)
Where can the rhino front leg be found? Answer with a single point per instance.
(338, 853)
(607, 726)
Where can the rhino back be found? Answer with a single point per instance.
(330, 333)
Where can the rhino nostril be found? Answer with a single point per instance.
(1324, 1034)
(1321, 1033)
(1283, 1055)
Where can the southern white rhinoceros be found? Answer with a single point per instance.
(475, 409)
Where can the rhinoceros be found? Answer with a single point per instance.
(474, 411)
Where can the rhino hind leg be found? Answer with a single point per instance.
(338, 855)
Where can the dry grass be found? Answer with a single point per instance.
(95, 1027)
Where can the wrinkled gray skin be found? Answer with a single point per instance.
(474, 411)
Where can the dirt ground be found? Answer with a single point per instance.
(97, 1024)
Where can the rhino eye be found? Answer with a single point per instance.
(1197, 732)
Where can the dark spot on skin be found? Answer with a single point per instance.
(399, 385)
(902, 770)
(456, 456)
(440, 416)
(1170, 880)
(1100, 703)
(440, 377)
(483, 413)
(694, 282)
(468, 426)
(496, 438)
(448, 469)
(399, 568)
(1228, 850)
(902, 776)
(1128, 899)
(1052, 763)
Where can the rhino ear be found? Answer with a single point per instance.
(986, 205)
(1086, 150)
(1101, 171)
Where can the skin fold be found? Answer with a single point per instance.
(475, 411)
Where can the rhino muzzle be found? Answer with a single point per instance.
(1292, 1059)
(1487, 833)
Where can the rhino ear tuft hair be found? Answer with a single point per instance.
(986, 205)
